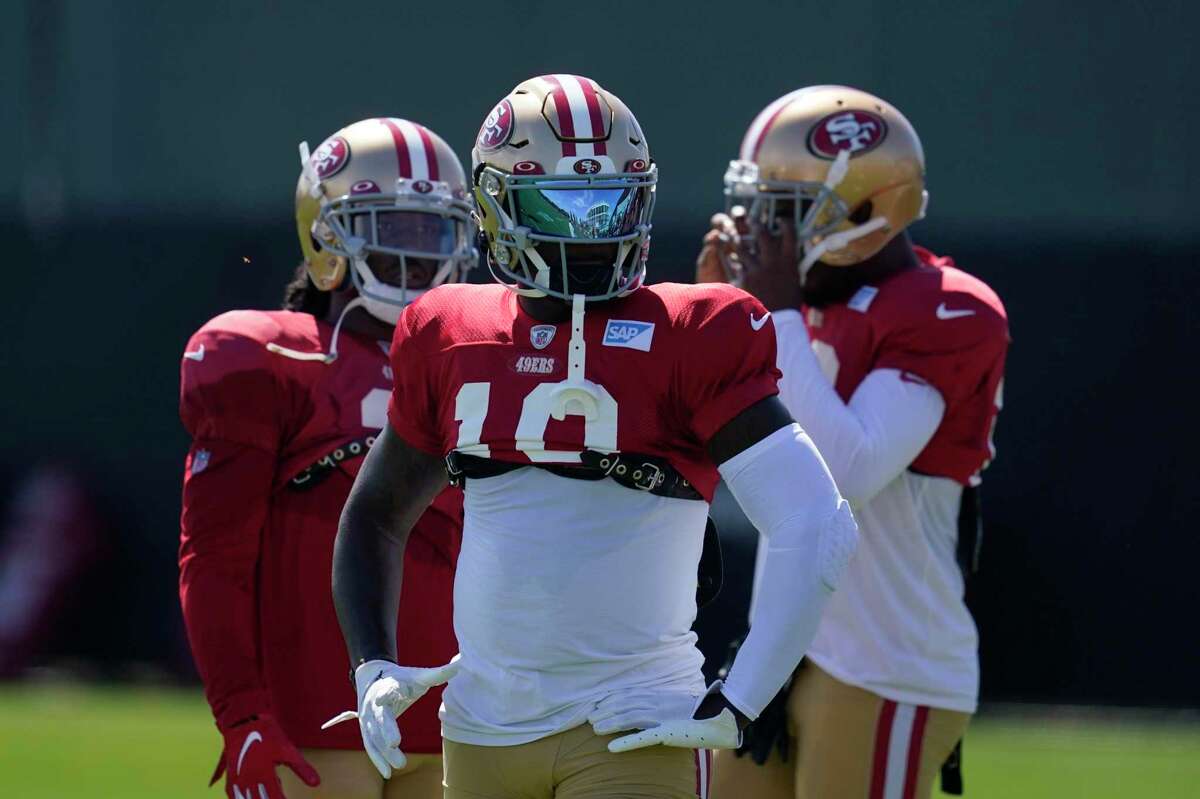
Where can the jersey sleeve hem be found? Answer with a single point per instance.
(724, 408)
(412, 435)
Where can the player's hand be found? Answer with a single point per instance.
(718, 261)
(771, 266)
(253, 749)
(721, 730)
(386, 690)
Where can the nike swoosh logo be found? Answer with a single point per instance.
(250, 740)
(198, 355)
(757, 324)
(945, 313)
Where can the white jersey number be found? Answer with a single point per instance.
(828, 359)
(591, 401)
(374, 408)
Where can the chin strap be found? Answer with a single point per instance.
(575, 396)
(323, 357)
(837, 170)
(310, 172)
(836, 241)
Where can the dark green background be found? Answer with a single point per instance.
(151, 148)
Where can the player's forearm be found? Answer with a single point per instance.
(225, 506)
(788, 494)
(868, 442)
(368, 563)
(219, 611)
(394, 487)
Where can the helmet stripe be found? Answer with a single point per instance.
(431, 159)
(404, 162)
(593, 107)
(580, 119)
(562, 105)
(417, 154)
(761, 125)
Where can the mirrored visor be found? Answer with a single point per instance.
(415, 231)
(579, 213)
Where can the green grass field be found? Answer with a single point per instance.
(67, 741)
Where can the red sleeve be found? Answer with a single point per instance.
(228, 389)
(226, 491)
(413, 409)
(730, 360)
(954, 355)
(963, 358)
(231, 404)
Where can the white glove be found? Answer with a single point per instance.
(386, 690)
(719, 732)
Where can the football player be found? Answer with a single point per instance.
(591, 417)
(893, 360)
(282, 406)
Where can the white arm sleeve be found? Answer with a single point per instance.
(786, 491)
(868, 442)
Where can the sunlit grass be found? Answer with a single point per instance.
(62, 741)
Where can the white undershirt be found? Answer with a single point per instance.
(898, 625)
(570, 596)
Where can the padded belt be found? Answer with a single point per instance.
(314, 474)
(639, 472)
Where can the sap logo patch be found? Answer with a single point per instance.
(862, 298)
(625, 333)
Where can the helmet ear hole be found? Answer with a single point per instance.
(861, 214)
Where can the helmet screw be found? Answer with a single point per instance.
(502, 256)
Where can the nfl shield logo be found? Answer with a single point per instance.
(200, 461)
(541, 336)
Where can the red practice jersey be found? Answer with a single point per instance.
(258, 526)
(667, 365)
(935, 324)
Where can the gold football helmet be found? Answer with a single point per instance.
(385, 186)
(845, 166)
(564, 188)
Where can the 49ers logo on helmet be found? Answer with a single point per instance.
(497, 128)
(587, 166)
(636, 165)
(330, 157)
(365, 187)
(856, 131)
(422, 186)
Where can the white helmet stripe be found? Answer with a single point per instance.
(762, 123)
(580, 117)
(416, 149)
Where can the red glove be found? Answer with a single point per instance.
(253, 748)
